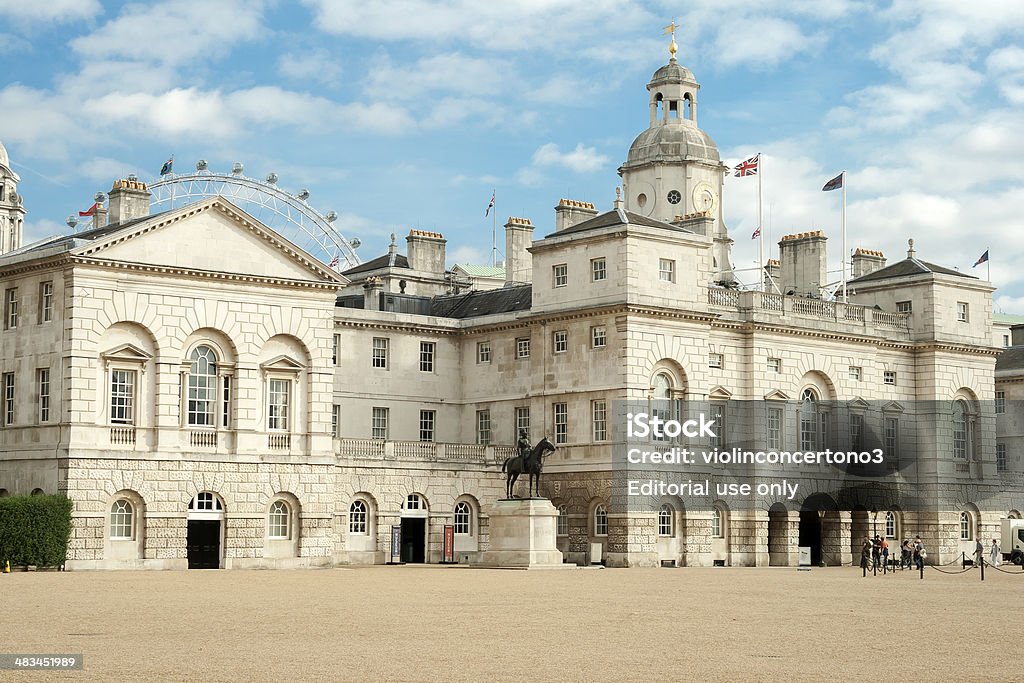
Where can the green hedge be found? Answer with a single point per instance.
(34, 530)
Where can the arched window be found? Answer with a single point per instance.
(279, 520)
(121, 518)
(357, 517)
(462, 518)
(202, 388)
(665, 520)
(965, 526)
(890, 524)
(600, 521)
(808, 420)
(961, 435)
(661, 394)
(718, 522)
(414, 502)
(563, 521)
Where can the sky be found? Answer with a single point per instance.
(403, 114)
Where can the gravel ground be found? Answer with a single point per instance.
(459, 624)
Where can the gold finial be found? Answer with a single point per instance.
(672, 47)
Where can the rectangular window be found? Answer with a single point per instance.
(427, 350)
(889, 377)
(598, 337)
(46, 302)
(1006, 340)
(560, 275)
(600, 412)
(892, 437)
(8, 399)
(122, 397)
(1000, 457)
(336, 350)
(1000, 402)
(904, 307)
(483, 352)
(380, 423)
(380, 352)
(962, 312)
(774, 429)
(523, 347)
(427, 425)
(43, 380)
(11, 308)
(561, 341)
(855, 373)
(856, 431)
(483, 426)
(598, 269)
(280, 391)
(561, 411)
(225, 415)
(774, 365)
(715, 360)
(522, 422)
(666, 270)
(718, 415)
(335, 420)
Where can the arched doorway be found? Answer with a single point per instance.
(205, 531)
(414, 529)
(818, 512)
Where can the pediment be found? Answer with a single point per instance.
(858, 404)
(126, 352)
(776, 395)
(211, 236)
(720, 393)
(893, 407)
(282, 364)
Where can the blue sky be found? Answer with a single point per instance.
(403, 114)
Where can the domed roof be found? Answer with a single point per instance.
(4, 160)
(673, 72)
(672, 143)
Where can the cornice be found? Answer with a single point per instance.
(195, 273)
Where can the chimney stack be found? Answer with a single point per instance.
(426, 251)
(803, 263)
(773, 277)
(867, 261)
(518, 259)
(569, 212)
(129, 198)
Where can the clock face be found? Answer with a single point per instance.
(674, 197)
(704, 198)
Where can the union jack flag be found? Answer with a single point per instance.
(757, 233)
(334, 262)
(489, 206)
(748, 167)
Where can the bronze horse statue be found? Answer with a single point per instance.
(530, 463)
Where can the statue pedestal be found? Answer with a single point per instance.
(523, 535)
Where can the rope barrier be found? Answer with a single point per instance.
(942, 571)
(1005, 571)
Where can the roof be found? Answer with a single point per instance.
(908, 267)
(64, 243)
(1007, 318)
(1012, 358)
(395, 260)
(480, 271)
(616, 217)
(669, 142)
(487, 302)
(673, 72)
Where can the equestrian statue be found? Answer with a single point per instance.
(529, 461)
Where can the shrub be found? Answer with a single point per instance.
(34, 530)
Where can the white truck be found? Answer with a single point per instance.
(1012, 543)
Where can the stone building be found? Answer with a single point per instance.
(209, 395)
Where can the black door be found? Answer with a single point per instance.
(810, 534)
(204, 544)
(414, 532)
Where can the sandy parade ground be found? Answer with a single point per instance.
(423, 623)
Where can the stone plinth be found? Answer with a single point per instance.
(523, 535)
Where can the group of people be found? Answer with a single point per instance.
(995, 553)
(875, 552)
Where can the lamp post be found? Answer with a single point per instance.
(874, 548)
(821, 538)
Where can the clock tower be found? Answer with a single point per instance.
(673, 168)
(12, 213)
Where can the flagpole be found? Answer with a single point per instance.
(845, 298)
(760, 224)
(494, 231)
(988, 264)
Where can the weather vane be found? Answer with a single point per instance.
(672, 47)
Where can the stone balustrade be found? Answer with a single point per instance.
(752, 302)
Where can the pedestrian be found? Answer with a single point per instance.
(865, 553)
(996, 554)
(979, 551)
(920, 554)
(885, 553)
(905, 553)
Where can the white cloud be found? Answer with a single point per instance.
(468, 255)
(581, 159)
(316, 66)
(761, 42)
(104, 169)
(48, 10)
(43, 228)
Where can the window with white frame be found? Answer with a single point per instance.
(560, 275)
(856, 373)
(962, 312)
(483, 427)
(522, 421)
(225, 409)
(774, 365)
(600, 416)
(889, 377)
(122, 518)
(1006, 340)
(1000, 402)
(380, 423)
(716, 360)
(43, 387)
(891, 429)
(598, 269)
(856, 431)
(718, 416)
(380, 352)
(904, 307)
(427, 425)
(600, 520)
(335, 420)
(122, 396)
(1000, 457)
(427, 350)
(357, 517)
(598, 337)
(960, 440)
(717, 522)
(665, 520)
(809, 421)
(279, 404)
(414, 502)
(666, 270)
(462, 518)
(11, 308)
(560, 341)
(278, 520)
(523, 347)
(202, 388)
(562, 526)
(336, 350)
(483, 352)
(774, 421)
(966, 526)
(890, 524)
(46, 301)
(561, 413)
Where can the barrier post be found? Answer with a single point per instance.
(983, 569)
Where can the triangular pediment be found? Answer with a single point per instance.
(858, 404)
(282, 364)
(720, 393)
(776, 395)
(210, 236)
(127, 352)
(893, 407)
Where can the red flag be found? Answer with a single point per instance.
(91, 211)
(757, 233)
